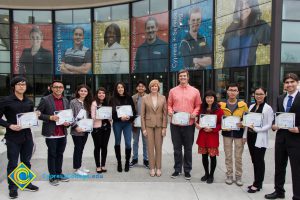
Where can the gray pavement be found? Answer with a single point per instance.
(137, 184)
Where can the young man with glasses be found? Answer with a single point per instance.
(18, 141)
(55, 135)
(234, 107)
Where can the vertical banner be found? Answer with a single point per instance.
(73, 49)
(149, 43)
(191, 37)
(111, 45)
(32, 49)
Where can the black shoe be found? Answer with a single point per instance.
(250, 190)
(31, 188)
(187, 176)
(126, 167)
(63, 178)
(13, 194)
(127, 158)
(119, 168)
(175, 174)
(275, 195)
(133, 162)
(53, 181)
(210, 180)
(146, 164)
(204, 178)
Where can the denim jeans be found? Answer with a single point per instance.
(136, 137)
(118, 127)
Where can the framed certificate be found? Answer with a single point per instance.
(27, 120)
(85, 124)
(124, 111)
(64, 116)
(137, 121)
(230, 122)
(181, 118)
(251, 118)
(285, 120)
(104, 112)
(208, 121)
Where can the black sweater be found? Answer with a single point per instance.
(122, 101)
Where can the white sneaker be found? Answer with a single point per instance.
(80, 172)
(85, 170)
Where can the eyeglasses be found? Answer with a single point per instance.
(58, 87)
(21, 84)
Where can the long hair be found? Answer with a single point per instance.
(88, 99)
(215, 106)
(117, 31)
(254, 16)
(98, 102)
(263, 89)
(116, 95)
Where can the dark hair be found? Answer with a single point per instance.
(151, 19)
(98, 102)
(140, 82)
(263, 89)
(215, 106)
(88, 99)
(232, 85)
(35, 29)
(117, 31)
(16, 80)
(183, 71)
(116, 94)
(78, 27)
(255, 13)
(56, 81)
(292, 76)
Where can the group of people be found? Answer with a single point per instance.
(153, 110)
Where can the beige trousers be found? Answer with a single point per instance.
(155, 140)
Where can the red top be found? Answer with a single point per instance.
(59, 105)
(211, 139)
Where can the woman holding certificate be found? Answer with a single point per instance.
(123, 114)
(257, 137)
(101, 130)
(81, 107)
(154, 125)
(208, 138)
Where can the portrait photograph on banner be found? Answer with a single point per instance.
(191, 37)
(73, 49)
(149, 43)
(32, 49)
(243, 31)
(111, 47)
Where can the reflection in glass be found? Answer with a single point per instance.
(289, 30)
(81, 16)
(4, 16)
(22, 16)
(290, 53)
(180, 3)
(120, 12)
(140, 8)
(42, 17)
(158, 6)
(290, 10)
(63, 16)
(102, 14)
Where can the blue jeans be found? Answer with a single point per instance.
(118, 127)
(136, 137)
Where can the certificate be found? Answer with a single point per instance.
(251, 118)
(81, 115)
(64, 116)
(285, 120)
(208, 121)
(27, 120)
(86, 125)
(181, 118)
(137, 121)
(124, 111)
(104, 112)
(230, 122)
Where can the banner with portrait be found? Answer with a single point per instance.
(243, 33)
(149, 43)
(191, 37)
(111, 47)
(73, 49)
(32, 49)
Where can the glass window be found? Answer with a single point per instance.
(120, 12)
(158, 6)
(4, 56)
(102, 14)
(258, 77)
(4, 30)
(4, 85)
(140, 8)
(42, 17)
(290, 53)
(290, 10)
(82, 16)
(22, 16)
(180, 3)
(5, 67)
(290, 30)
(4, 44)
(4, 16)
(63, 16)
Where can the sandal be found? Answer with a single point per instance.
(103, 169)
(158, 172)
(152, 173)
(99, 170)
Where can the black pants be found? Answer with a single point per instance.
(101, 138)
(79, 143)
(182, 136)
(14, 150)
(257, 157)
(56, 149)
(287, 146)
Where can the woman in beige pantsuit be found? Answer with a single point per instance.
(154, 125)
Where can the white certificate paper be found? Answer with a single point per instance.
(104, 112)
(137, 121)
(181, 118)
(81, 115)
(64, 116)
(27, 120)
(230, 122)
(124, 111)
(86, 125)
(208, 121)
(285, 120)
(251, 118)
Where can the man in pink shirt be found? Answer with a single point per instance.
(186, 100)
